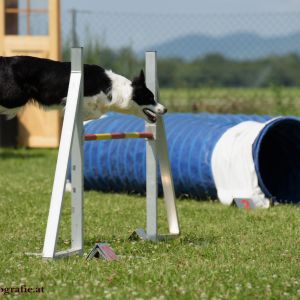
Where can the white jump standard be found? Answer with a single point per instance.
(72, 143)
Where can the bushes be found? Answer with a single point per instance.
(213, 70)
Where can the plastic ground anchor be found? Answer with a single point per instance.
(245, 203)
(104, 251)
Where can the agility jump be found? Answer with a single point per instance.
(71, 146)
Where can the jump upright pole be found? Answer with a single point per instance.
(71, 138)
(158, 148)
(157, 156)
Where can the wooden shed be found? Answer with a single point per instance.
(33, 28)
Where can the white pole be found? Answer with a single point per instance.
(77, 162)
(73, 99)
(151, 155)
(160, 150)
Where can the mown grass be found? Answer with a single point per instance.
(223, 252)
(274, 100)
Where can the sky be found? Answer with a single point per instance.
(186, 6)
(143, 24)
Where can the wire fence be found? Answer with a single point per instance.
(194, 50)
(202, 59)
(190, 36)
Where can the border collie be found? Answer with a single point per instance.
(24, 79)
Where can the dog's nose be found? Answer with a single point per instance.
(160, 109)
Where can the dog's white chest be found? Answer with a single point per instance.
(94, 106)
(9, 112)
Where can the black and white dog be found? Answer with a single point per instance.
(25, 78)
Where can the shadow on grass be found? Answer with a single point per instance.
(103, 239)
(198, 241)
(183, 240)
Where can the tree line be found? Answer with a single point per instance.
(213, 70)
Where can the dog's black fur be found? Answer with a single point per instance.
(26, 78)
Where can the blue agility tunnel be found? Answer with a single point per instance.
(212, 156)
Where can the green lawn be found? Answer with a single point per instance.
(223, 252)
(273, 100)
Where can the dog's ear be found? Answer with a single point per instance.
(139, 80)
(142, 76)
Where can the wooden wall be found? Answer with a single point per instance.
(37, 128)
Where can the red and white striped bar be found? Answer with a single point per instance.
(118, 135)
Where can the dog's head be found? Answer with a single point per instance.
(144, 102)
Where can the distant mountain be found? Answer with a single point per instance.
(241, 45)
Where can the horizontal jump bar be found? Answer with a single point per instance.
(118, 135)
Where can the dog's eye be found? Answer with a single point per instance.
(109, 97)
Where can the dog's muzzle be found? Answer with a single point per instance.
(151, 113)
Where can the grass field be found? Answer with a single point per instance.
(272, 101)
(223, 252)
